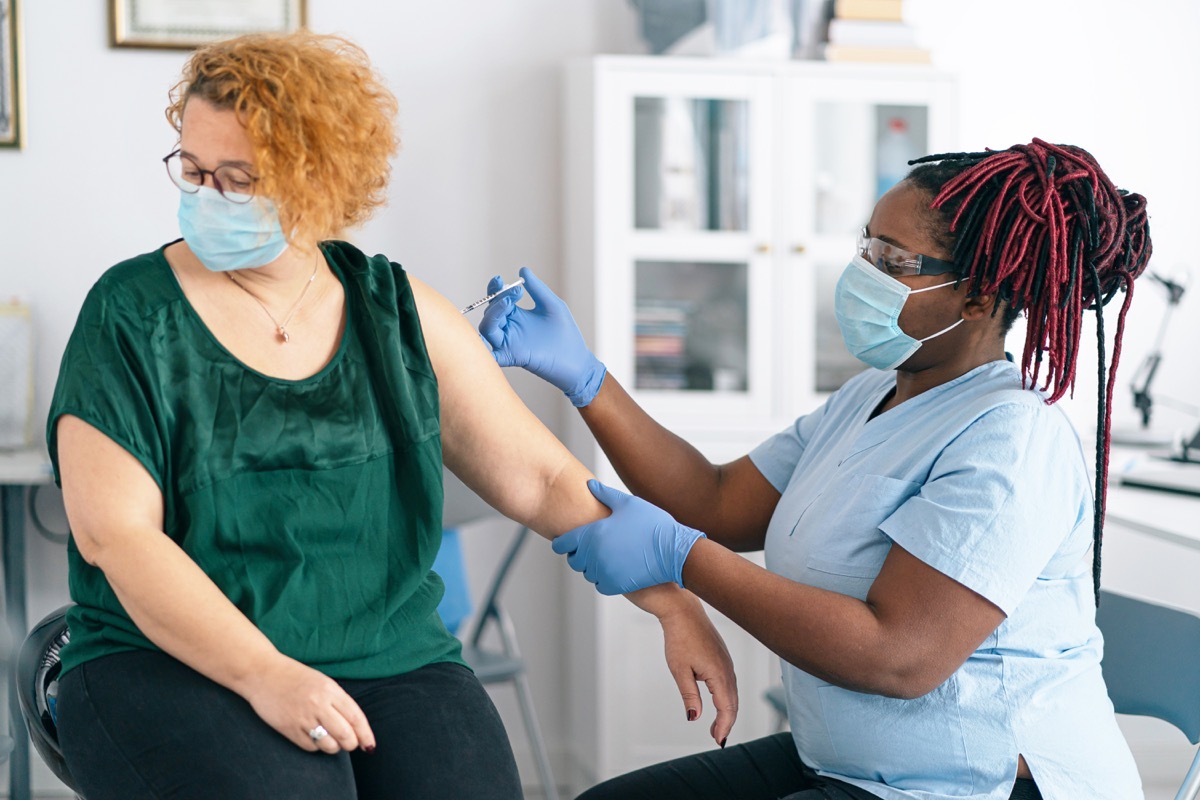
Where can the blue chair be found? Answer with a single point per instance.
(495, 665)
(455, 606)
(1151, 667)
(776, 698)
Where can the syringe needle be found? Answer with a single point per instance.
(483, 300)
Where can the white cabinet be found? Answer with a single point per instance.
(711, 205)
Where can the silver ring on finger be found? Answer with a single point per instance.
(318, 733)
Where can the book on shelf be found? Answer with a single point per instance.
(660, 339)
(868, 9)
(673, 380)
(871, 33)
(649, 345)
(902, 55)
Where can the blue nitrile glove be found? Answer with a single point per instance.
(544, 339)
(638, 545)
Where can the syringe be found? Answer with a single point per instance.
(493, 295)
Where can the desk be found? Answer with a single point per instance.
(1172, 517)
(19, 471)
(1169, 516)
(1151, 538)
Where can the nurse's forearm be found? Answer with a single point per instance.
(662, 468)
(832, 636)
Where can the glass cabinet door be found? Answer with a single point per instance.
(861, 150)
(690, 326)
(690, 164)
(689, 265)
(856, 138)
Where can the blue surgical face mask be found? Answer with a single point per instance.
(225, 235)
(867, 304)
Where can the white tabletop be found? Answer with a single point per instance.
(1175, 517)
(25, 467)
(1167, 515)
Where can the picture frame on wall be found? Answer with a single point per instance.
(11, 118)
(186, 24)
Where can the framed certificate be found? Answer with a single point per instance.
(11, 122)
(184, 24)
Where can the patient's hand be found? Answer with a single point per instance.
(696, 654)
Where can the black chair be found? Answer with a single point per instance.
(37, 687)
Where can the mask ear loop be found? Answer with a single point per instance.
(931, 288)
(943, 330)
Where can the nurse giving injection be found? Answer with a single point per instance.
(931, 531)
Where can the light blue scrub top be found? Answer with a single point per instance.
(983, 481)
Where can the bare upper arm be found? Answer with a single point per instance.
(744, 503)
(490, 440)
(933, 622)
(105, 489)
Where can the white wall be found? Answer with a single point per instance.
(476, 188)
(1112, 76)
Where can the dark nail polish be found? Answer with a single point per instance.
(369, 749)
(723, 741)
(692, 715)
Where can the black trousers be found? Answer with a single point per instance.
(764, 769)
(143, 725)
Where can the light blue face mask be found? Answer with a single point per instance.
(225, 235)
(867, 304)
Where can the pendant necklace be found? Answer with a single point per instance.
(280, 327)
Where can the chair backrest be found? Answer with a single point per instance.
(37, 681)
(455, 605)
(1152, 660)
(490, 610)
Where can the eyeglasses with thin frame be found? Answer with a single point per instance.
(896, 261)
(234, 183)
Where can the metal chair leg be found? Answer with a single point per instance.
(524, 697)
(1190, 789)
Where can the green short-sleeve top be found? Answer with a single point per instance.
(314, 505)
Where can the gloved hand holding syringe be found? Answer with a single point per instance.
(543, 339)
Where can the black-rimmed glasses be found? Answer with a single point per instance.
(234, 183)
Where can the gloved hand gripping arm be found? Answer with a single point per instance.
(638, 545)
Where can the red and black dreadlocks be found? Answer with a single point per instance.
(1043, 228)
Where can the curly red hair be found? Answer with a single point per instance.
(319, 118)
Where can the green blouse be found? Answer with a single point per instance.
(315, 505)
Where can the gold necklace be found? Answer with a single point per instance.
(280, 327)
